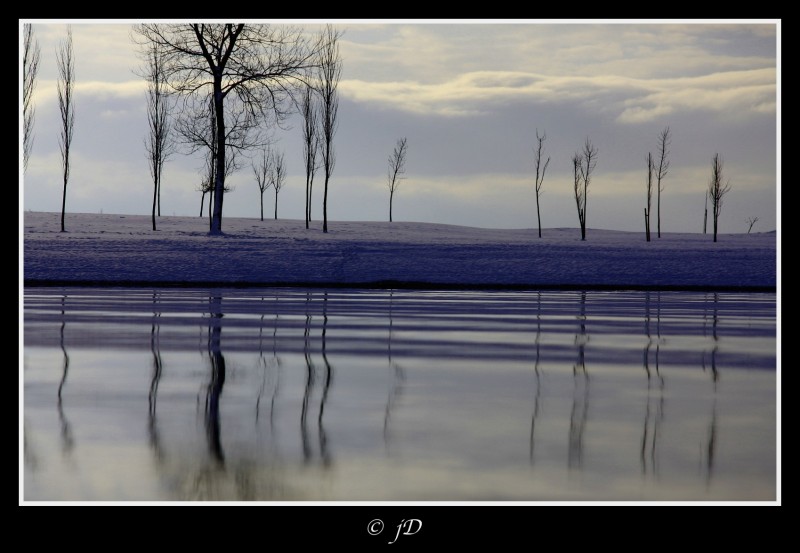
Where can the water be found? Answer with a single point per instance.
(380, 395)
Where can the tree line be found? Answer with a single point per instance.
(584, 162)
(222, 89)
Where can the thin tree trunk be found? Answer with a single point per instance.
(64, 199)
(658, 207)
(538, 216)
(391, 196)
(325, 206)
(219, 181)
(159, 194)
(202, 199)
(276, 204)
(155, 196)
(262, 205)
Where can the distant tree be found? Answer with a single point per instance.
(539, 177)
(278, 176)
(247, 70)
(30, 68)
(580, 199)
(311, 141)
(159, 143)
(647, 210)
(663, 166)
(583, 164)
(66, 106)
(330, 71)
(263, 173)
(717, 189)
(397, 168)
(751, 221)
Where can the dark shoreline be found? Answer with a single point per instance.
(392, 284)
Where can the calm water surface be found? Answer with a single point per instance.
(350, 395)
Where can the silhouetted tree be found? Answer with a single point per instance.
(580, 199)
(647, 210)
(247, 70)
(311, 141)
(30, 68)
(717, 190)
(330, 71)
(583, 164)
(751, 221)
(540, 170)
(278, 176)
(159, 144)
(263, 174)
(663, 167)
(66, 106)
(397, 168)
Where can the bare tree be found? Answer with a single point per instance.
(751, 221)
(66, 105)
(248, 71)
(648, 209)
(397, 168)
(263, 174)
(580, 198)
(159, 143)
(330, 71)
(278, 176)
(310, 112)
(540, 170)
(30, 68)
(663, 166)
(717, 190)
(583, 165)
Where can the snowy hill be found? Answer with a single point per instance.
(122, 249)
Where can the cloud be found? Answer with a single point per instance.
(630, 100)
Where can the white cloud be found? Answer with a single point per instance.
(737, 93)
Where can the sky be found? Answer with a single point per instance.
(470, 97)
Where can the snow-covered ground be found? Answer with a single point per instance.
(105, 248)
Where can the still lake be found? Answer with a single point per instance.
(290, 394)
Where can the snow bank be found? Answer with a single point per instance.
(122, 249)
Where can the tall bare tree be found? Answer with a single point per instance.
(30, 68)
(577, 188)
(330, 71)
(663, 167)
(540, 170)
(263, 173)
(311, 141)
(247, 70)
(66, 106)
(583, 164)
(278, 176)
(648, 209)
(397, 168)
(159, 143)
(751, 221)
(717, 189)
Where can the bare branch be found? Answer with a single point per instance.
(30, 69)
(539, 177)
(717, 190)
(66, 106)
(396, 170)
